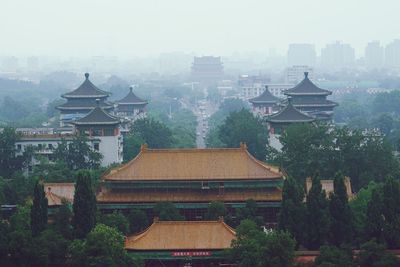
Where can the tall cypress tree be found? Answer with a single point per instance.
(39, 209)
(375, 222)
(317, 215)
(293, 212)
(84, 207)
(340, 230)
(391, 212)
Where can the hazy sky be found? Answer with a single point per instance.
(217, 27)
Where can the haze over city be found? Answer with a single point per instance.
(147, 28)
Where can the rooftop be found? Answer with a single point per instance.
(131, 99)
(78, 106)
(289, 114)
(56, 192)
(265, 97)
(193, 164)
(176, 235)
(306, 87)
(87, 90)
(97, 117)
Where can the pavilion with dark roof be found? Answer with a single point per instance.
(288, 115)
(131, 106)
(104, 132)
(264, 104)
(81, 101)
(309, 98)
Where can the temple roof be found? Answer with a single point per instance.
(306, 87)
(193, 164)
(265, 97)
(289, 114)
(97, 117)
(71, 105)
(56, 192)
(131, 99)
(87, 90)
(176, 235)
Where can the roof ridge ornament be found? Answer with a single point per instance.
(131, 89)
(306, 74)
(87, 75)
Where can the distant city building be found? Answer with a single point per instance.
(278, 89)
(264, 104)
(32, 64)
(301, 54)
(295, 74)
(374, 55)
(337, 55)
(309, 98)
(81, 101)
(207, 69)
(252, 85)
(392, 54)
(9, 64)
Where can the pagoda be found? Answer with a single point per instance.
(103, 130)
(309, 98)
(131, 106)
(81, 101)
(264, 104)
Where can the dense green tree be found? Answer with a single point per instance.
(76, 250)
(154, 133)
(166, 211)
(253, 248)
(249, 211)
(49, 249)
(84, 207)
(116, 220)
(317, 226)
(292, 215)
(77, 154)
(105, 247)
(375, 221)
(215, 210)
(137, 221)
(10, 161)
(373, 254)
(334, 257)
(54, 172)
(62, 220)
(340, 230)
(242, 126)
(132, 144)
(391, 212)
(39, 209)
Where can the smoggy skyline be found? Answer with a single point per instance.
(145, 28)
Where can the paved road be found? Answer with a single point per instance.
(203, 111)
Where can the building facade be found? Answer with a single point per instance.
(265, 103)
(191, 179)
(207, 69)
(295, 74)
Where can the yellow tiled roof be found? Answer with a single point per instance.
(163, 235)
(193, 164)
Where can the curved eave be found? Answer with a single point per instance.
(263, 102)
(290, 121)
(82, 108)
(315, 105)
(133, 103)
(84, 96)
(306, 93)
(95, 123)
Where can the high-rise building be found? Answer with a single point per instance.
(301, 54)
(295, 74)
(374, 55)
(337, 55)
(392, 54)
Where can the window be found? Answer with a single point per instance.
(50, 146)
(205, 185)
(40, 146)
(96, 146)
(19, 147)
